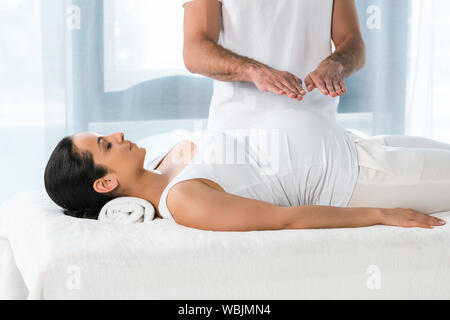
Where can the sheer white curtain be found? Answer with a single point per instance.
(427, 101)
(66, 64)
(29, 110)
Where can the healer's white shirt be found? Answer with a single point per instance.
(288, 35)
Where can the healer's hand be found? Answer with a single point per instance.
(328, 78)
(279, 82)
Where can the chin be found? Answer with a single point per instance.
(142, 153)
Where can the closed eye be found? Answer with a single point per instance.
(108, 146)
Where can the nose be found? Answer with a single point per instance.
(117, 137)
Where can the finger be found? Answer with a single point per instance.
(337, 86)
(299, 85)
(417, 224)
(309, 83)
(330, 88)
(425, 222)
(292, 89)
(435, 221)
(320, 84)
(343, 87)
(284, 88)
(302, 90)
(275, 89)
(298, 97)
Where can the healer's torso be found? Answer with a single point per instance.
(288, 35)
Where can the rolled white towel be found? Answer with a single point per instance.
(127, 210)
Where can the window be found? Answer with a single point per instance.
(143, 40)
(441, 70)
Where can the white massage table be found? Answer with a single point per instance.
(61, 257)
(52, 256)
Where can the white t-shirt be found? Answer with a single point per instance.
(288, 35)
(296, 162)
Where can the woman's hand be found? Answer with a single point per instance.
(409, 218)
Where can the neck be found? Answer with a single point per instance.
(150, 186)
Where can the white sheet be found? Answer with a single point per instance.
(68, 258)
(12, 286)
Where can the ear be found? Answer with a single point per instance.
(106, 184)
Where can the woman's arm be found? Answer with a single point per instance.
(312, 217)
(315, 217)
(195, 204)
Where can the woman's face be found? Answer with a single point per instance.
(123, 159)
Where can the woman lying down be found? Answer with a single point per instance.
(287, 172)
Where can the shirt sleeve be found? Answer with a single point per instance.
(183, 2)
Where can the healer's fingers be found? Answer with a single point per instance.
(338, 88)
(343, 87)
(320, 84)
(309, 83)
(299, 85)
(330, 88)
(289, 85)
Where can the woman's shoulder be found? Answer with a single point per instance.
(185, 196)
